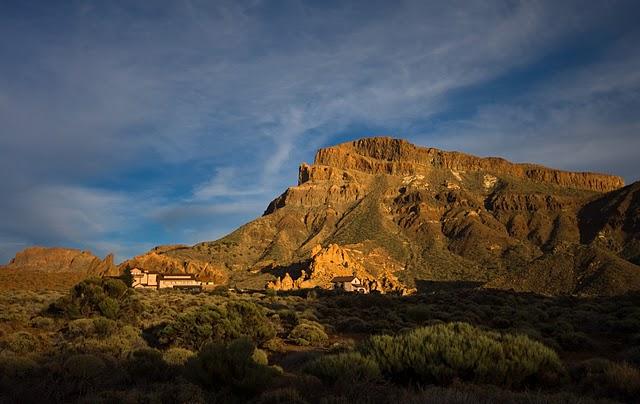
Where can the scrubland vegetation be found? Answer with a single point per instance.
(103, 342)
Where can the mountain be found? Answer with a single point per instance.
(398, 214)
(41, 268)
(54, 259)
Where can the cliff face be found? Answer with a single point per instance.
(399, 157)
(396, 214)
(61, 260)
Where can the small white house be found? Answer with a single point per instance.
(349, 284)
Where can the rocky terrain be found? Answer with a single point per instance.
(399, 216)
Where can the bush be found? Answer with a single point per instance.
(444, 352)
(177, 356)
(110, 298)
(604, 378)
(281, 396)
(44, 323)
(217, 323)
(349, 367)
(235, 365)
(309, 333)
(147, 365)
(21, 342)
(84, 368)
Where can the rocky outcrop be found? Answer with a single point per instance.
(49, 259)
(382, 155)
(333, 261)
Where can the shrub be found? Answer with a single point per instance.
(309, 333)
(214, 323)
(120, 342)
(109, 307)
(608, 379)
(103, 327)
(44, 323)
(281, 396)
(419, 313)
(84, 368)
(444, 352)
(349, 367)
(177, 356)
(147, 365)
(97, 297)
(82, 327)
(21, 342)
(234, 365)
(14, 367)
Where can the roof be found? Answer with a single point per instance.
(339, 279)
(177, 276)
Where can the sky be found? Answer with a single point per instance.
(130, 124)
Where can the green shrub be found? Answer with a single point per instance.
(177, 356)
(120, 342)
(309, 333)
(444, 352)
(109, 307)
(90, 327)
(82, 327)
(233, 365)
(217, 323)
(103, 327)
(21, 342)
(110, 298)
(349, 367)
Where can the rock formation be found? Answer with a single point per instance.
(46, 259)
(327, 263)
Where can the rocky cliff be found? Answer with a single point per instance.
(399, 157)
(398, 214)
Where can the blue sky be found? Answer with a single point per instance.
(125, 125)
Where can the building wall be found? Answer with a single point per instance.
(169, 283)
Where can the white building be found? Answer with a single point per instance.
(349, 284)
(155, 280)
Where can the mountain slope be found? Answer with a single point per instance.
(415, 213)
